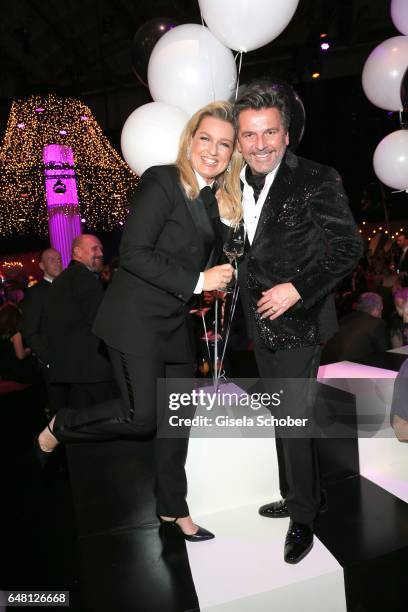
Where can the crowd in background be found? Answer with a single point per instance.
(372, 305)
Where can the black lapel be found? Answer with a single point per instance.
(278, 193)
(211, 205)
(212, 212)
(204, 225)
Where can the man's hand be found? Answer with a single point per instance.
(277, 300)
(217, 277)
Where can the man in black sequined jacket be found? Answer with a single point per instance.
(302, 240)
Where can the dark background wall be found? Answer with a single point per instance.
(83, 49)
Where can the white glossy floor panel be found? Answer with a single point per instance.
(318, 594)
(231, 472)
(244, 566)
(385, 462)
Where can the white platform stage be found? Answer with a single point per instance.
(383, 459)
(242, 570)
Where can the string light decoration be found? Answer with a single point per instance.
(104, 181)
(10, 265)
(370, 230)
(16, 265)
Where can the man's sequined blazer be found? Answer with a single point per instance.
(306, 235)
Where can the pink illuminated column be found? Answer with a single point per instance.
(64, 220)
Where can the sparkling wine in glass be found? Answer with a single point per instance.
(233, 248)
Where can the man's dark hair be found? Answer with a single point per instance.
(264, 94)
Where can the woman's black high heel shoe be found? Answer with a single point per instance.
(199, 536)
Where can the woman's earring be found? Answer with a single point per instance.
(229, 168)
(188, 153)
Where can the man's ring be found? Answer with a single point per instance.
(273, 310)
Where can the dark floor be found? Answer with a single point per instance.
(109, 556)
(38, 533)
(100, 540)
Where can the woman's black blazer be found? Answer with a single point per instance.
(162, 252)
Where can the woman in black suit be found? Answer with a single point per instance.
(167, 254)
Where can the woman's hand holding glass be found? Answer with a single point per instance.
(218, 277)
(234, 246)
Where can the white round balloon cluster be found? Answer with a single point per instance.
(382, 78)
(192, 65)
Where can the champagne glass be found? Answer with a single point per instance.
(233, 248)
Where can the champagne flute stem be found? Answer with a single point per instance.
(207, 343)
(215, 378)
(231, 314)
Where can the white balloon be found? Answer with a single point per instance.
(391, 160)
(245, 25)
(151, 135)
(399, 15)
(189, 68)
(383, 72)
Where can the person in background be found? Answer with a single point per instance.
(402, 259)
(15, 359)
(399, 322)
(106, 275)
(79, 366)
(361, 333)
(399, 405)
(33, 328)
(34, 305)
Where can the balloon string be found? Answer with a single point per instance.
(240, 53)
(215, 379)
(208, 345)
(230, 316)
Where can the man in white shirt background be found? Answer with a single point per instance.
(34, 316)
(34, 301)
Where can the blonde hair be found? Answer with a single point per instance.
(229, 190)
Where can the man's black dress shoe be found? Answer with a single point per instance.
(298, 542)
(279, 509)
(199, 536)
